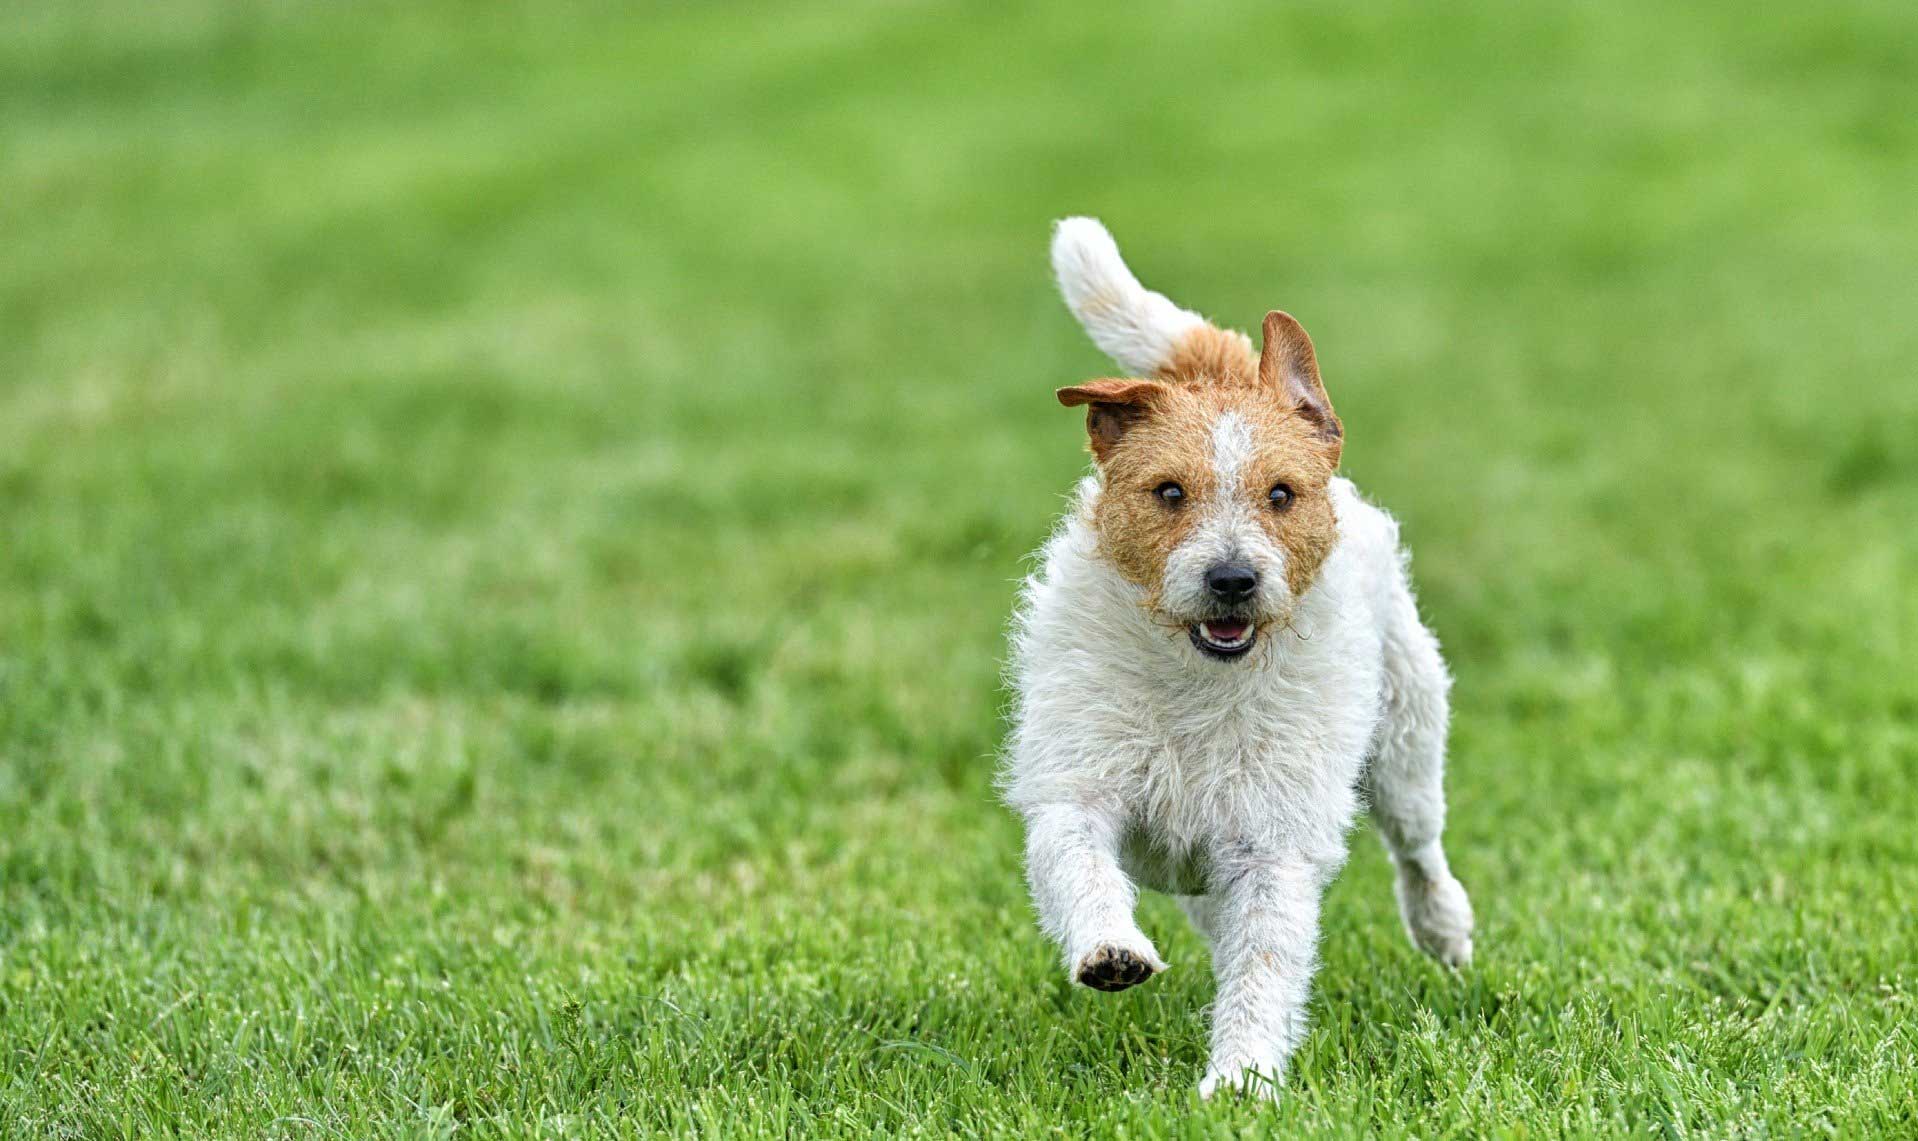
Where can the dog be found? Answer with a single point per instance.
(1218, 662)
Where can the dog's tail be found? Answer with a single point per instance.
(1141, 330)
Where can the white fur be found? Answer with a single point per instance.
(1134, 759)
(1131, 324)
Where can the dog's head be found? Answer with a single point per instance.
(1216, 495)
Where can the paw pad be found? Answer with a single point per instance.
(1114, 968)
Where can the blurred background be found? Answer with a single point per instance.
(508, 514)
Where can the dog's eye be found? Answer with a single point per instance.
(1170, 492)
(1280, 496)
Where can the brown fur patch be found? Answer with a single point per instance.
(1166, 436)
(1309, 528)
(1211, 354)
(1137, 529)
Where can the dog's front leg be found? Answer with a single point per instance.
(1264, 950)
(1084, 898)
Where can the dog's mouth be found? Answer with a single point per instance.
(1223, 638)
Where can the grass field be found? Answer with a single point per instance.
(507, 518)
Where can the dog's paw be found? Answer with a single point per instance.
(1243, 1079)
(1110, 966)
(1438, 916)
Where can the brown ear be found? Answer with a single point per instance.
(1116, 405)
(1288, 364)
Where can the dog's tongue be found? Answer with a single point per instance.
(1226, 631)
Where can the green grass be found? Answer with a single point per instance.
(507, 517)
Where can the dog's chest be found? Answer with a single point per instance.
(1274, 766)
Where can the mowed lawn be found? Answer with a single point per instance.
(508, 515)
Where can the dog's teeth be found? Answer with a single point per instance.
(1205, 629)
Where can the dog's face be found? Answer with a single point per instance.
(1216, 497)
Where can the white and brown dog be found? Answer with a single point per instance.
(1220, 656)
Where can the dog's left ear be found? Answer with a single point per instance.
(1288, 365)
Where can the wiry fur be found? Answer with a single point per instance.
(1135, 759)
(1131, 324)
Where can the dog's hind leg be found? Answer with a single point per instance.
(1405, 783)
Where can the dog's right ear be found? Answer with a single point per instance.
(1114, 406)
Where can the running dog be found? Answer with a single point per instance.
(1219, 661)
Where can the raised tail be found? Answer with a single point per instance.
(1143, 331)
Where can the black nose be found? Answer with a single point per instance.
(1231, 582)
